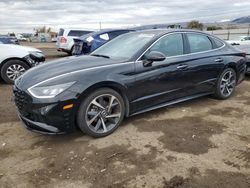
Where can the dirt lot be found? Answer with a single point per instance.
(200, 143)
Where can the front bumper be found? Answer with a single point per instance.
(45, 117)
(33, 60)
(39, 127)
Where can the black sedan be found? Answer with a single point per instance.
(132, 74)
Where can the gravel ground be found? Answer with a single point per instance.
(200, 143)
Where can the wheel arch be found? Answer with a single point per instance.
(108, 84)
(14, 58)
(234, 67)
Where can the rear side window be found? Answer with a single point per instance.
(170, 45)
(218, 43)
(77, 33)
(199, 42)
(104, 36)
(60, 33)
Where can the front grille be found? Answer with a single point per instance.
(21, 100)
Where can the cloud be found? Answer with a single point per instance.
(24, 15)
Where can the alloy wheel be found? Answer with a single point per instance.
(228, 83)
(103, 113)
(14, 71)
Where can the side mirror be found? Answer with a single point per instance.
(153, 56)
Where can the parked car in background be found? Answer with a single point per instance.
(90, 42)
(20, 37)
(65, 38)
(54, 39)
(245, 40)
(15, 60)
(8, 40)
(134, 73)
(245, 48)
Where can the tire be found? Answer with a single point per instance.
(96, 117)
(248, 72)
(225, 85)
(70, 53)
(10, 65)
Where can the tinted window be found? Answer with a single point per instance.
(246, 38)
(199, 43)
(170, 45)
(60, 33)
(114, 34)
(77, 33)
(218, 43)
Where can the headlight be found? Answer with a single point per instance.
(89, 39)
(49, 91)
(37, 56)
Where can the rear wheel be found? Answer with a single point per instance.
(101, 113)
(12, 69)
(226, 84)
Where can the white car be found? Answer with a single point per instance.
(65, 38)
(245, 48)
(244, 40)
(15, 60)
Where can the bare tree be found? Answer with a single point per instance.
(42, 29)
(195, 25)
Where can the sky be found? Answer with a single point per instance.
(25, 15)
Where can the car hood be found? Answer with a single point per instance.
(18, 47)
(59, 67)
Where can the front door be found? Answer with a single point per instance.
(165, 80)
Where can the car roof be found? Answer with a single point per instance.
(165, 31)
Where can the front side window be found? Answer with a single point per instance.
(199, 42)
(170, 45)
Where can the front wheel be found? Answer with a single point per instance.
(101, 113)
(12, 69)
(226, 84)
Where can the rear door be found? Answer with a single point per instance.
(204, 61)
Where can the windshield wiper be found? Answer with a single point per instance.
(99, 55)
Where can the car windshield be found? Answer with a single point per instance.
(124, 46)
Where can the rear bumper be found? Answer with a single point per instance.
(63, 50)
(248, 65)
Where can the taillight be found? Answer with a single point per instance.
(63, 40)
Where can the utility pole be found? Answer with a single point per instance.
(100, 25)
(248, 32)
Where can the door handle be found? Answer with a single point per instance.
(218, 60)
(184, 66)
